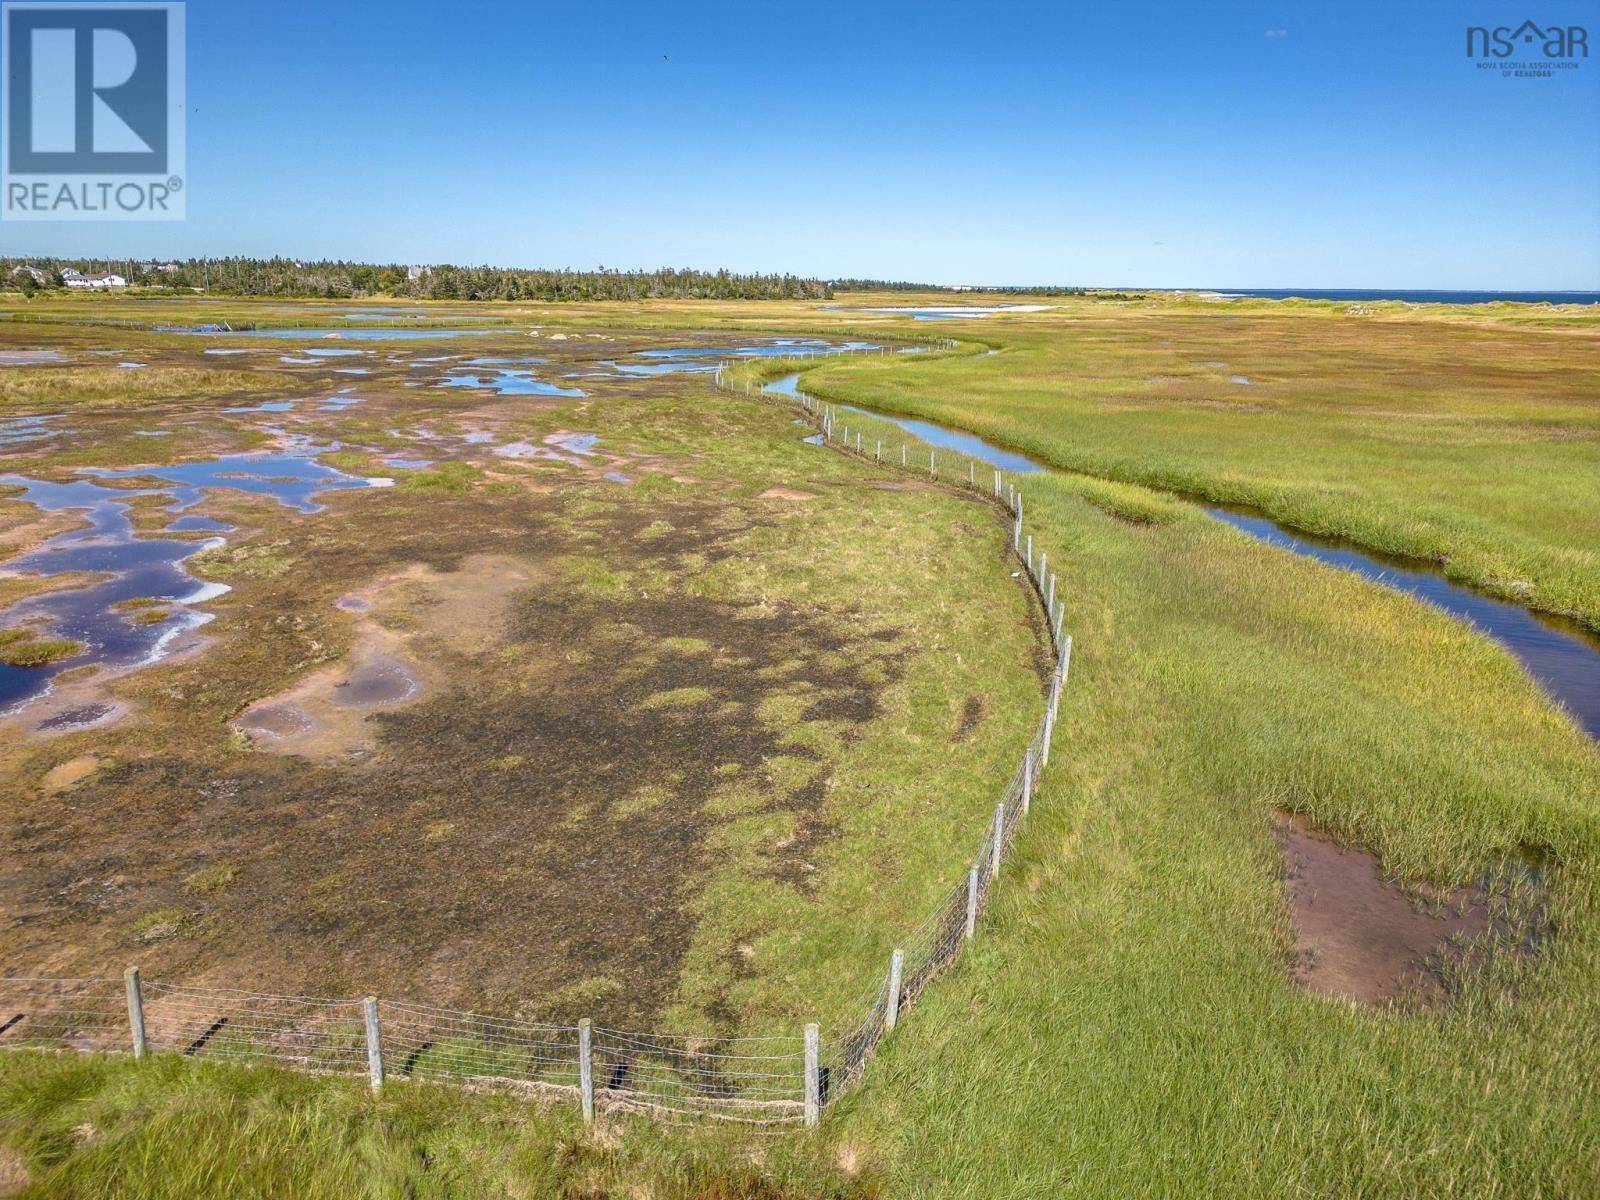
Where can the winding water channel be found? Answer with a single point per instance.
(1562, 656)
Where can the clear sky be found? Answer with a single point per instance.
(1192, 143)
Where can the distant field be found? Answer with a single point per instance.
(1469, 436)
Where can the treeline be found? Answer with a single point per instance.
(886, 285)
(341, 280)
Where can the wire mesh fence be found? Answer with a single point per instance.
(760, 1080)
(63, 1014)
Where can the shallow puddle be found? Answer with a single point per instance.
(377, 681)
(510, 383)
(28, 358)
(81, 717)
(277, 721)
(1360, 937)
(18, 431)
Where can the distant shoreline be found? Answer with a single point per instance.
(1406, 295)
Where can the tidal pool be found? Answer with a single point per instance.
(127, 567)
(509, 383)
(133, 568)
(291, 478)
(276, 406)
(349, 335)
(945, 312)
(709, 359)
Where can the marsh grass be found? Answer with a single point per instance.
(1470, 440)
(63, 388)
(19, 648)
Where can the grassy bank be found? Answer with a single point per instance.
(100, 1128)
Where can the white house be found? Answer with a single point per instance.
(37, 275)
(98, 281)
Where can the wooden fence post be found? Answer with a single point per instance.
(1050, 718)
(999, 841)
(813, 1074)
(972, 901)
(1027, 780)
(374, 1044)
(130, 979)
(891, 1012)
(586, 1068)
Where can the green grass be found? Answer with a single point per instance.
(19, 648)
(1471, 441)
(170, 1129)
(1127, 1025)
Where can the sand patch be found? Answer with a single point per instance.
(405, 623)
(783, 493)
(67, 775)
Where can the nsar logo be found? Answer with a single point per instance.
(92, 112)
(1528, 51)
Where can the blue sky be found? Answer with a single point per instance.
(1195, 143)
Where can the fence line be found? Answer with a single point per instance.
(759, 1080)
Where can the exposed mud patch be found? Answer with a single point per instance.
(783, 493)
(408, 623)
(377, 680)
(1360, 936)
(69, 774)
